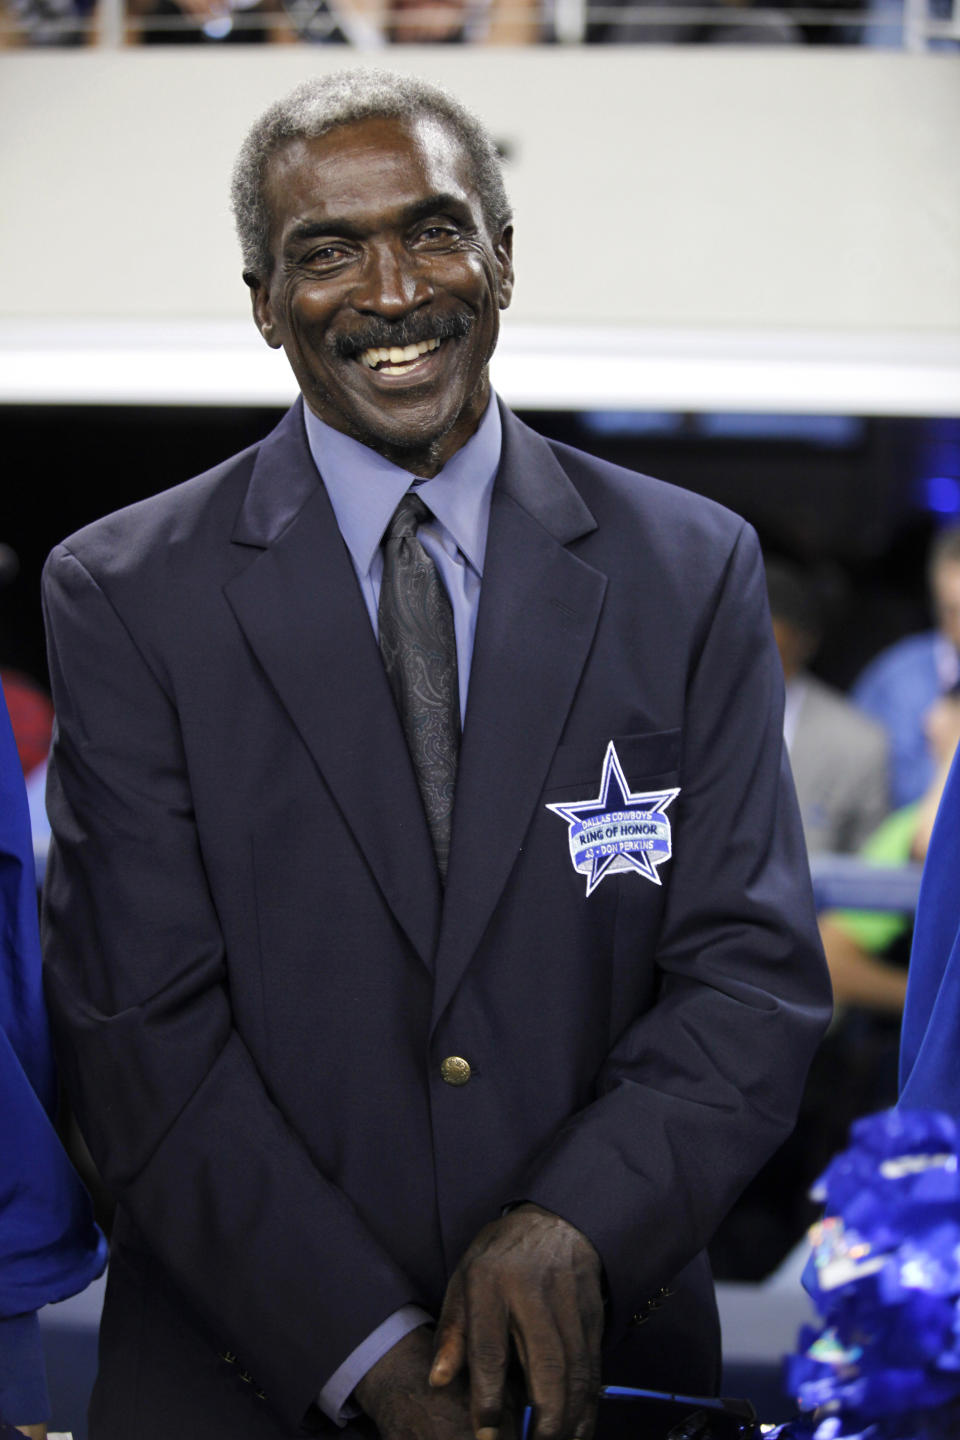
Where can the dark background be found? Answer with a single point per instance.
(857, 500)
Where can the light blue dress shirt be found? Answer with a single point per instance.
(364, 491)
(897, 689)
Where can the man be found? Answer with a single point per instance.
(838, 756)
(899, 686)
(350, 1062)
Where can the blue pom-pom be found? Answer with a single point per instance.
(884, 1275)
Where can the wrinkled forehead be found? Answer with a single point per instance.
(382, 157)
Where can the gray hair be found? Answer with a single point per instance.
(326, 102)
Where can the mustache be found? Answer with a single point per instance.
(409, 330)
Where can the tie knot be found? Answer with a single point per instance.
(409, 514)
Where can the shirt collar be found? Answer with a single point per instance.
(365, 489)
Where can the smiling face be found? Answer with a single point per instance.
(386, 287)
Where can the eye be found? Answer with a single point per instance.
(327, 256)
(438, 233)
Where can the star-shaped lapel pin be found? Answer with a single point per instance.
(621, 830)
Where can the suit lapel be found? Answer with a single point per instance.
(301, 611)
(539, 610)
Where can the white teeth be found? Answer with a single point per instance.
(396, 355)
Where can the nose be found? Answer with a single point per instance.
(391, 282)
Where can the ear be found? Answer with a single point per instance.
(262, 309)
(503, 251)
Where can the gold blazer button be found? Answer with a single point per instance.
(455, 1070)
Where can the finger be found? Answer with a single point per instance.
(449, 1356)
(540, 1349)
(583, 1393)
(488, 1357)
(547, 1389)
(581, 1328)
(561, 1346)
(450, 1346)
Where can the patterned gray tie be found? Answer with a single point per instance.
(418, 645)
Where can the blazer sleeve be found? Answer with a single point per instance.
(271, 1255)
(697, 1092)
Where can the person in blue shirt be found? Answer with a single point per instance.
(900, 684)
(49, 1245)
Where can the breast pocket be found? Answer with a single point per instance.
(646, 761)
(615, 799)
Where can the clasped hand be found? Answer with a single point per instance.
(529, 1287)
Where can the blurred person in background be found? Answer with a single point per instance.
(46, 23)
(839, 758)
(28, 705)
(31, 716)
(899, 686)
(854, 1072)
(200, 22)
(724, 22)
(736, 23)
(364, 24)
(868, 950)
(49, 1245)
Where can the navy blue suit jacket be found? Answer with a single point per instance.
(255, 977)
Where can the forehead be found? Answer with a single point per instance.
(367, 173)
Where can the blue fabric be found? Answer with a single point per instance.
(930, 1036)
(49, 1245)
(897, 689)
(23, 1385)
(364, 491)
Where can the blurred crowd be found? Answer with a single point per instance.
(869, 767)
(369, 24)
